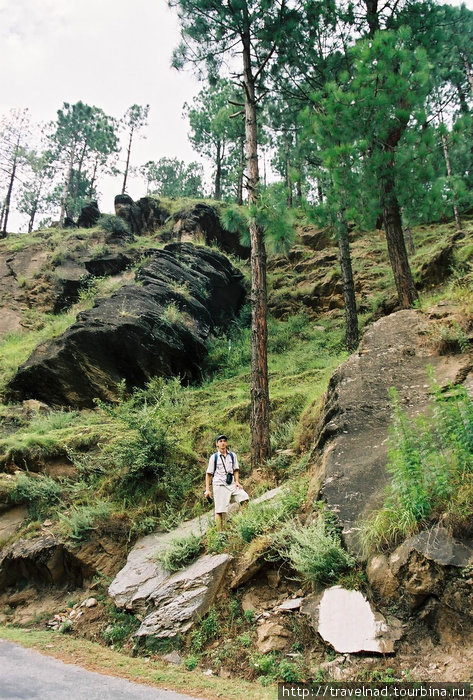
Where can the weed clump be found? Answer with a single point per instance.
(314, 552)
(39, 493)
(114, 225)
(431, 464)
(181, 552)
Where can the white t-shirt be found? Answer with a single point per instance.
(220, 474)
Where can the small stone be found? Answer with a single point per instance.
(273, 577)
(272, 637)
(208, 672)
(290, 605)
(89, 603)
(173, 658)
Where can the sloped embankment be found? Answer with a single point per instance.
(157, 327)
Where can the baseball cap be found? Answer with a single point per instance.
(221, 437)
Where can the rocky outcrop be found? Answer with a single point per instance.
(202, 221)
(346, 620)
(184, 597)
(89, 215)
(72, 274)
(435, 270)
(135, 583)
(168, 603)
(422, 567)
(350, 453)
(157, 328)
(10, 520)
(143, 216)
(41, 561)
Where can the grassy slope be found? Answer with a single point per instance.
(304, 350)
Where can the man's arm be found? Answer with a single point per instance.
(208, 480)
(236, 474)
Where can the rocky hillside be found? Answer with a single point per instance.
(126, 348)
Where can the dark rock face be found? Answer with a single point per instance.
(72, 274)
(143, 216)
(42, 561)
(158, 328)
(437, 269)
(69, 223)
(109, 264)
(89, 215)
(152, 214)
(203, 220)
(429, 576)
(127, 210)
(350, 455)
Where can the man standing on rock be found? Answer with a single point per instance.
(223, 467)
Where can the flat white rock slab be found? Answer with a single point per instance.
(346, 620)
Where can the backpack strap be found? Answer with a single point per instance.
(232, 457)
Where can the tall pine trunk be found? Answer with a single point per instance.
(288, 176)
(348, 284)
(448, 165)
(127, 166)
(241, 171)
(6, 210)
(218, 172)
(2, 214)
(32, 215)
(403, 280)
(259, 419)
(65, 193)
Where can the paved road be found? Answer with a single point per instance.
(28, 675)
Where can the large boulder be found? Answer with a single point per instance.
(202, 221)
(73, 273)
(143, 216)
(89, 215)
(126, 209)
(169, 603)
(184, 597)
(350, 451)
(424, 566)
(157, 328)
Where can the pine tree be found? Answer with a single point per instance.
(254, 30)
(135, 118)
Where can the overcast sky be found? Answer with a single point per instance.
(108, 53)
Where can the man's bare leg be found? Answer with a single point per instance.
(220, 521)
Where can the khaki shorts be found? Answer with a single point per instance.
(223, 495)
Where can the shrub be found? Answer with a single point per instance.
(191, 662)
(181, 552)
(431, 465)
(315, 551)
(121, 626)
(264, 664)
(80, 520)
(114, 225)
(148, 454)
(206, 631)
(289, 672)
(259, 518)
(40, 493)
